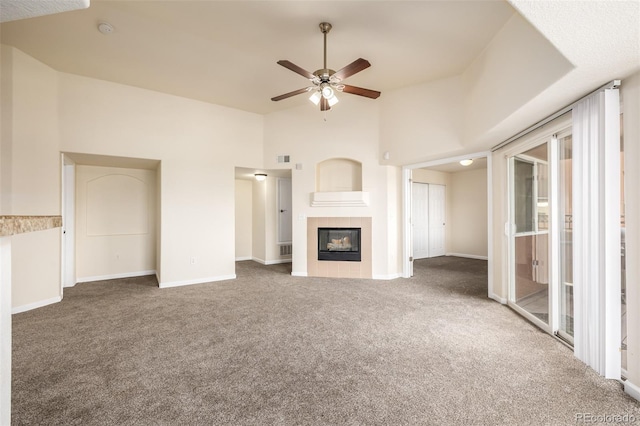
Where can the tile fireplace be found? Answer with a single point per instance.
(351, 234)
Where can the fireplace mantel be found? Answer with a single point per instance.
(340, 199)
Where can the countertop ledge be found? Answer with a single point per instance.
(11, 225)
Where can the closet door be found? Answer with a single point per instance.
(420, 219)
(436, 220)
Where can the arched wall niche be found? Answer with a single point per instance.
(339, 175)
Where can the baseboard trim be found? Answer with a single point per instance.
(299, 274)
(387, 277)
(271, 262)
(468, 256)
(632, 390)
(500, 300)
(35, 305)
(116, 276)
(241, 258)
(197, 281)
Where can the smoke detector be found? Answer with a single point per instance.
(105, 28)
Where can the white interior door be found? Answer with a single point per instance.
(436, 220)
(68, 223)
(284, 210)
(420, 219)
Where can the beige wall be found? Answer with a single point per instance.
(115, 222)
(244, 219)
(468, 230)
(466, 209)
(198, 144)
(31, 174)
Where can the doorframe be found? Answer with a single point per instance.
(407, 243)
(68, 204)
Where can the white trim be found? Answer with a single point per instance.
(197, 281)
(116, 276)
(299, 274)
(387, 276)
(271, 262)
(468, 256)
(407, 246)
(241, 258)
(501, 300)
(632, 390)
(490, 257)
(35, 305)
(5, 330)
(340, 199)
(407, 251)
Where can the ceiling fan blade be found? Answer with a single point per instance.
(290, 94)
(367, 93)
(293, 67)
(324, 104)
(354, 67)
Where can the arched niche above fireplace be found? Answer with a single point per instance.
(339, 184)
(339, 174)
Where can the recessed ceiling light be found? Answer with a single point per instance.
(105, 28)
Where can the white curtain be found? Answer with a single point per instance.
(596, 223)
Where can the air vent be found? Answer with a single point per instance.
(285, 250)
(284, 159)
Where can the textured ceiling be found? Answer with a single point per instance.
(12, 10)
(225, 52)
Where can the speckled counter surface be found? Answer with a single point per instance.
(11, 225)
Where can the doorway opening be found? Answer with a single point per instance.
(447, 211)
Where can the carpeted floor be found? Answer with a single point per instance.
(269, 348)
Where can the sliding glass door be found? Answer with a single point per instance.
(541, 237)
(530, 244)
(565, 200)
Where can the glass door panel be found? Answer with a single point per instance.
(530, 195)
(565, 326)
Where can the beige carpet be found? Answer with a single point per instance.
(269, 348)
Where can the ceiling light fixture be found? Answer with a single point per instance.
(466, 162)
(260, 176)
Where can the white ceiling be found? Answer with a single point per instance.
(478, 163)
(225, 52)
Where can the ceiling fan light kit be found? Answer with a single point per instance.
(326, 82)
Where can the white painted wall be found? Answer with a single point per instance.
(351, 130)
(31, 174)
(198, 144)
(115, 222)
(468, 230)
(493, 83)
(244, 219)
(468, 112)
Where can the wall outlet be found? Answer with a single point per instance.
(117, 256)
(193, 260)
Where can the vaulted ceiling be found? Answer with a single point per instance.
(225, 52)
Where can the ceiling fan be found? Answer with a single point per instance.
(326, 81)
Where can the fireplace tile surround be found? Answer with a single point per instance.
(339, 269)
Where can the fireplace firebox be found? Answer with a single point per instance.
(339, 244)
